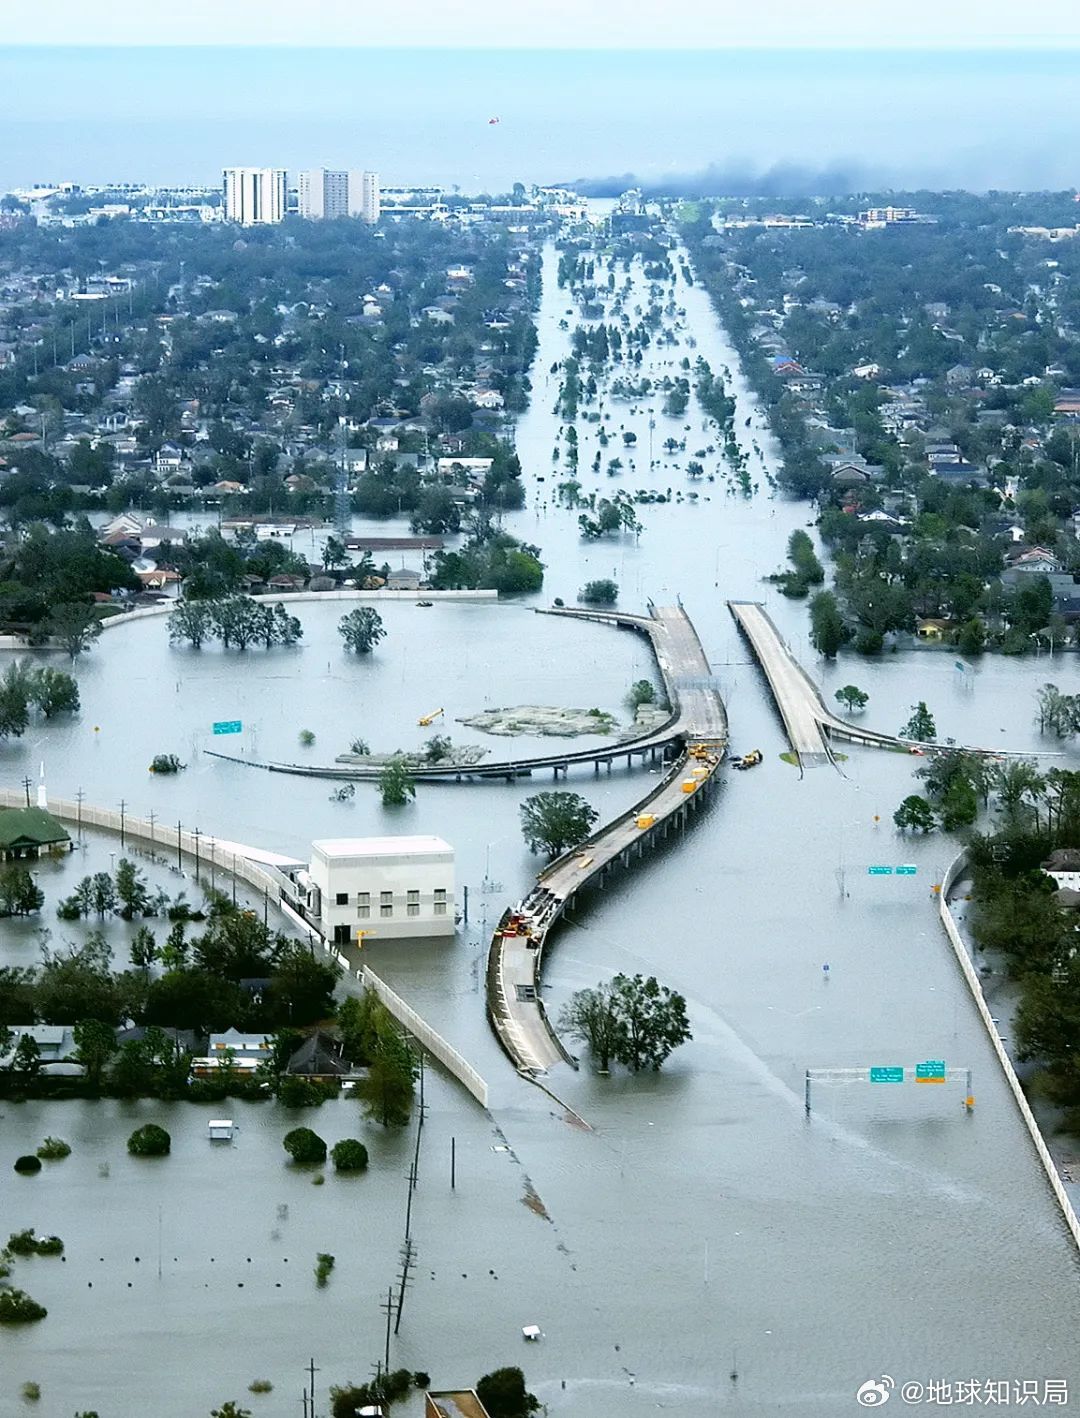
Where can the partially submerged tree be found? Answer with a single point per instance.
(631, 1019)
(921, 725)
(503, 1394)
(552, 822)
(304, 1146)
(852, 697)
(915, 815)
(361, 630)
(396, 784)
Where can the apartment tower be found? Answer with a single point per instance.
(254, 196)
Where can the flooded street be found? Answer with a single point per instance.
(703, 1227)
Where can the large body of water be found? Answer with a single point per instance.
(833, 121)
(703, 1222)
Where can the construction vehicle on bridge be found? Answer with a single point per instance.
(429, 718)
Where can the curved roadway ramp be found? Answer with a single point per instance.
(699, 726)
(807, 718)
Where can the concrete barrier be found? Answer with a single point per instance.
(198, 847)
(433, 1042)
(952, 930)
(18, 642)
(206, 852)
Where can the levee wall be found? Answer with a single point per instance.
(208, 853)
(952, 930)
(434, 1043)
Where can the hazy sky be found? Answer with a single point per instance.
(548, 23)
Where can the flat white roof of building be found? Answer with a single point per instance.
(380, 846)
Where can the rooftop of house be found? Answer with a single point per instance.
(30, 824)
(1063, 859)
(456, 1403)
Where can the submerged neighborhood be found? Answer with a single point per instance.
(330, 1012)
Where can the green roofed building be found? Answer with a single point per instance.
(29, 831)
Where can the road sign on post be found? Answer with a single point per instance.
(906, 871)
(228, 726)
(879, 871)
(890, 1074)
(932, 1071)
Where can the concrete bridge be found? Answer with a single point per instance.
(687, 680)
(699, 723)
(809, 722)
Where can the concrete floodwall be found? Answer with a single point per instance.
(432, 1042)
(952, 876)
(212, 857)
(198, 847)
(18, 642)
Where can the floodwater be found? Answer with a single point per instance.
(703, 1226)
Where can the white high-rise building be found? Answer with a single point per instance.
(364, 199)
(255, 196)
(323, 193)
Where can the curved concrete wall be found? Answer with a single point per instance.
(205, 850)
(955, 871)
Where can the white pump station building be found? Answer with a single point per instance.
(386, 887)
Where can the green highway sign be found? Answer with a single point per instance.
(887, 1075)
(906, 871)
(228, 726)
(932, 1071)
(879, 871)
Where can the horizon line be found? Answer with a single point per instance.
(1047, 44)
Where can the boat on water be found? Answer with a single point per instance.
(748, 760)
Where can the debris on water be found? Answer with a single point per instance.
(532, 1200)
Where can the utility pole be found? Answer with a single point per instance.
(389, 1308)
(79, 800)
(179, 850)
(411, 1178)
(197, 834)
(453, 1162)
(152, 815)
(123, 809)
(408, 1255)
(26, 790)
(312, 1371)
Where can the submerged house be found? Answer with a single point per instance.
(29, 831)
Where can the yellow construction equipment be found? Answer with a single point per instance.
(645, 820)
(429, 718)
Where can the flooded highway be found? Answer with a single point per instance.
(700, 1227)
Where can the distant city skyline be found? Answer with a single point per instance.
(556, 24)
(780, 121)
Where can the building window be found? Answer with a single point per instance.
(341, 899)
(363, 912)
(363, 898)
(413, 908)
(439, 908)
(386, 909)
(440, 894)
(414, 898)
